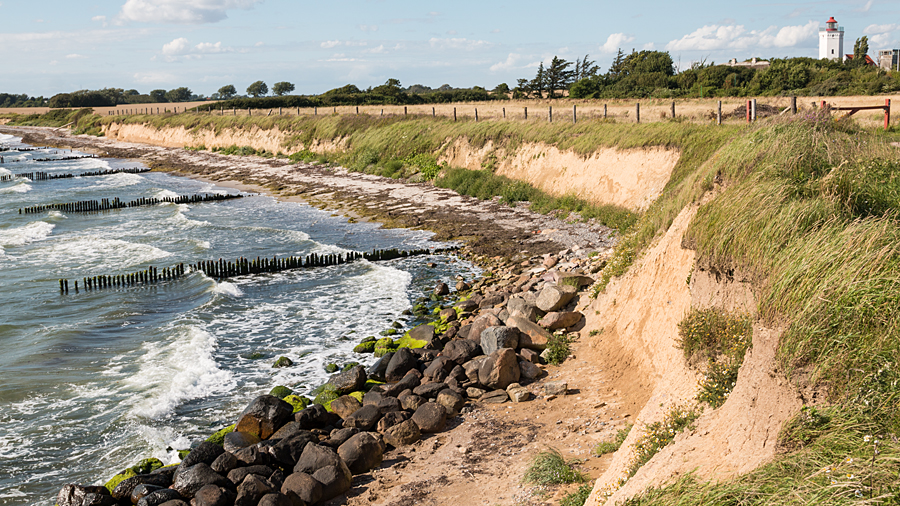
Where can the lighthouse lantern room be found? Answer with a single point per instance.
(831, 40)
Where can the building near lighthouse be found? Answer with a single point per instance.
(831, 41)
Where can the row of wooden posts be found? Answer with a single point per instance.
(222, 269)
(45, 176)
(63, 159)
(88, 206)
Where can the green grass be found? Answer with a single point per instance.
(558, 349)
(550, 468)
(658, 435)
(605, 447)
(578, 497)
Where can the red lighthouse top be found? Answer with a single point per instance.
(831, 24)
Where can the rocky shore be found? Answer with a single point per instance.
(489, 345)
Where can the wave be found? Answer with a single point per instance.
(103, 255)
(20, 236)
(21, 187)
(226, 288)
(178, 371)
(164, 194)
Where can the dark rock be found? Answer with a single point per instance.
(345, 405)
(494, 338)
(451, 401)
(252, 489)
(438, 369)
(530, 356)
(391, 419)
(275, 499)
(372, 397)
(265, 415)
(335, 480)
(224, 463)
(142, 490)
(212, 495)
(364, 418)
(302, 486)
(500, 369)
(471, 368)
(463, 332)
(196, 477)
(315, 457)
(287, 430)
(402, 361)
(555, 297)
(175, 502)
(529, 370)
(519, 306)
(412, 402)
(461, 350)
(531, 335)
(462, 286)
(252, 456)
(557, 320)
(466, 305)
(441, 289)
(447, 315)
(123, 490)
(429, 390)
(430, 417)
(238, 475)
(494, 397)
(94, 499)
(277, 478)
(458, 373)
(480, 323)
(404, 433)
(288, 451)
(389, 404)
(73, 495)
(423, 332)
(491, 301)
(410, 381)
(349, 381)
(361, 453)
(340, 436)
(315, 416)
(282, 362)
(379, 368)
(157, 497)
(235, 441)
(205, 452)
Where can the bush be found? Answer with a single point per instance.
(550, 468)
(605, 447)
(557, 349)
(722, 339)
(578, 497)
(658, 435)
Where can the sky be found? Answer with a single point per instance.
(54, 46)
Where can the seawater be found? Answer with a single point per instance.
(93, 382)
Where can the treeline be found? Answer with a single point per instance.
(109, 97)
(13, 100)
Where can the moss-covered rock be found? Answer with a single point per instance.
(380, 352)
(147, 465)
(183, 453)
(357, 395)
(255, 355)
(282, 362)
(325, 394)
(367, 347)
(219, 436)
(281, 391)
(371, 383)
(119, 478)
(330, 368)
(408, 342)
(299, 402)
(388, 332)
(349, 366)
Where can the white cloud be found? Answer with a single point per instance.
(715, 37)
(209, 47)
(181, 11)
(876, 29)
(614, 42)
(376, 50)
(75, 56)
(368, 28)
(650, 46)
(452, 32)
(882, 41)
(455, 43)
(154, 77)
(328, 44)
(98, 18)
(176, 47)
(866, 7)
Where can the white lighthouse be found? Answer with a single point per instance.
(831, 41)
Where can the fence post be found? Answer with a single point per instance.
(315, 111)
(454, 114)
(504, 113)
(574, 114)
(604, 111)
(793, 105)
(433, 114)
(754, 110)
(550, 116)
(357, 110)
(748, 111)
(887, 113)
(719, 114)
(279, 111)
(404, 110)
(526, 113)
(476, 115)
(673, 109)
(382, 112)
(637, 112)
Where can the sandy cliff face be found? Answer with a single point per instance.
(270, 140)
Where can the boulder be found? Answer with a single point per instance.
(529, 370)
(315, 457)
(430, 417)
(404, 433)
(531, 335)
(530, 356)
(142, 491)
(475, 392)
(315, 416)
(438, 369)
(447, 315)
(238, 475)
(563, 320)
(412, 402)
(363, 418)
(379, 368)
(345, 406)
(252, 456)
(491, 301)
(236, 440)
(391, 419)
(340, 436)
(494, 338)
(494, 397)
(518, 393)
(389, 404)
(93, 499)
(500, 369)
(423, 332)
(372, 397)
(462, 350)
(252, 489)
(282, 362)
(205, 452)
(212, 495)
(302, 486)
(361, 453)
(480, 323)
(556, 387)
(466, 305)
(348, 381)
(451, 401)
(402, 361)
(196, 477)
(441, 289)
(287, 430)
(336, 480)
(157, 497)
(265, 415)
(519, 306)
(123, 490)
(224, 463)
(288, 450)
(429, 390)
(555, 297)
(73, 495)
(275, 499)
(410, 381)
(471, 368)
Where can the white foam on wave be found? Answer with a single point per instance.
(20, 236)
(56, 215)
(116, 181)
(21, 187)
(4, 172)
(226, 288)
(165, 194)
(104, 254)
(177, 371)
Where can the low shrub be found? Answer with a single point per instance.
(550, 468)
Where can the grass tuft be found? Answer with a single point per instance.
(605, 447)
(550, 468)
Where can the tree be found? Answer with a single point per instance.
(501, 89)
(860, 50)
(227, 91)
(390, 88)
(618, 65)
(158, 96)
(539, 83)
(585, 68)
(257, 89)
(179, 95)
(558, 75)
(282, 88)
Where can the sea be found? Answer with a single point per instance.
(94, 381)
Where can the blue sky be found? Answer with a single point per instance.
(63, 45)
